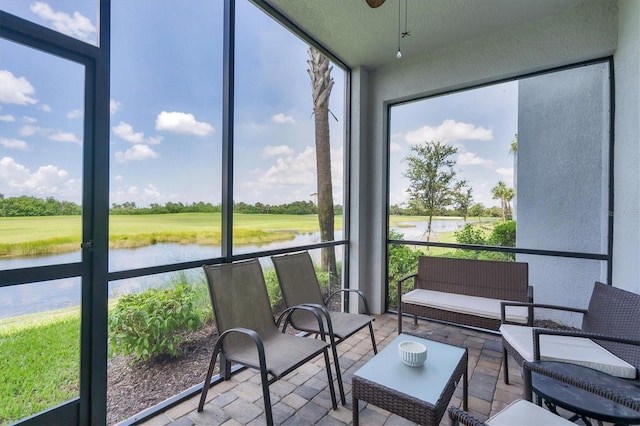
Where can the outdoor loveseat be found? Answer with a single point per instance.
(465, 291)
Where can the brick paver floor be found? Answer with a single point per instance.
(302, 397)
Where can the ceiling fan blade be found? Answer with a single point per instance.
(375, 3)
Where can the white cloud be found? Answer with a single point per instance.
(60, 136)
(180, 122)
(395, 147)
(16, 179)
(45, 108)
(76, 113)
(296, 171)
(449, 131)
(14, 144)
(118, 178)
(507, 175)
(75, 25)
(136, 153)
(54, 135)
(114, 106)
(27, 119)
(151, 191)
(154, 140)
(469, 158)
(15, 90)
(283, 119)
(28, 130)
(272, 151)
(125, 131)
(7, 118)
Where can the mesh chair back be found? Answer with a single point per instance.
(240, 299)
(612, 308)
(297, 279)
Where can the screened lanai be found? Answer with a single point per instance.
(140, 140)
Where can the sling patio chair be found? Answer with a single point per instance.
(299, 286)
(248, 333)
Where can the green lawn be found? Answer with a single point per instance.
(40, 363)
(32, 236)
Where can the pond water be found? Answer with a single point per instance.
(50, 295)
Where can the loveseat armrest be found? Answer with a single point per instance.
(399, 285)
(532, 306)
(399, 297)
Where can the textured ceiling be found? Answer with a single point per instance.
(360, 35)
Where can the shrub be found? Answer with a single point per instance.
(402, 262)
(150, 323)
(470, 235)
(504, 234)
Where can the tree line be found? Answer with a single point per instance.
(33, 206)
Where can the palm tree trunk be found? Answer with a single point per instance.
(321, 83)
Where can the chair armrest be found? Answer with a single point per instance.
(531, 307)
(351, 290)
(254, 336)
(577, 333)
(458, 416)
(315, 309)
(633, 403)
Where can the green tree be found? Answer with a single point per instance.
(477, 210)
(462, 199)
(432, 183)
(321, 85)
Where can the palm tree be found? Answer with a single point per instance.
(500, 192)
(321, 85)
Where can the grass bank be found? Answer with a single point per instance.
(48, 235)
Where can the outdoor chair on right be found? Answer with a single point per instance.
(609, 340)
(523, 412)
(299, 285)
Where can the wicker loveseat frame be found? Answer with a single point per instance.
(508, 281)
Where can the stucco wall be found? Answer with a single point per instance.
(589, 31)
(626, 236)
(563, 153)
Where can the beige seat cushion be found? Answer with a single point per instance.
(525, 413)
(576, 350)
(471, 305)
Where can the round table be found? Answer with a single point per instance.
(583, 403)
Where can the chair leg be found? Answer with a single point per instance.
(373, 340)
(506, 365)
(207, 380)
(266, 397)
(225, 367)
(343, 399)
(330, 380)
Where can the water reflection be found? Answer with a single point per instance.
(38, 297)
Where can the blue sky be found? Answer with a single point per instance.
(166, 110)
